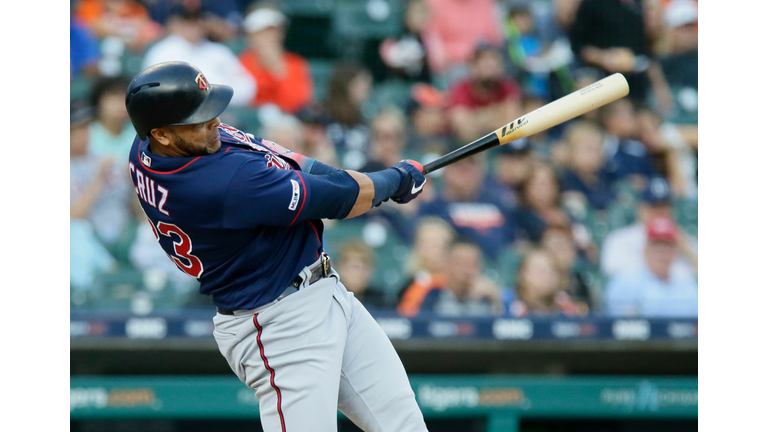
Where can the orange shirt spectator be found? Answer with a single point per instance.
(126, 19)
(290, 92)
(423, 293)
(455, 29)
(283, 78)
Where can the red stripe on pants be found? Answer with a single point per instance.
(271, 373)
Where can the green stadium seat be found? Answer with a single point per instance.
(308, 7)
(390, 262)
(352, 21)
(321, 71)
(243, 118)
(237, 44)
(508, 262)
(598, 224)
(393, 92)
(132, 63)
(121, 248)
(80, 88)
(687, 215)
(115, 289)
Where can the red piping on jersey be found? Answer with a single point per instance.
(317, 236)
(160, 172)
(271, 373)
(302, 198)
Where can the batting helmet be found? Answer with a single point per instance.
(173, 93)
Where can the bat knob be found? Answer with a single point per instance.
(416, 164)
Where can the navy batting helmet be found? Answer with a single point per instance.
(173, 93)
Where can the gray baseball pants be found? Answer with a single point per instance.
(316, 351)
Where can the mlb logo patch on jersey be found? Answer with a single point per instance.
(295, 196)
(146, 160)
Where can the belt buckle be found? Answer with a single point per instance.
(325, 265)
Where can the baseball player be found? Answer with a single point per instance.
(243, 215)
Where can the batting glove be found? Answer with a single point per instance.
(412, 182)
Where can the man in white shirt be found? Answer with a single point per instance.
(653, 290)
(187, 42)
(623, 248)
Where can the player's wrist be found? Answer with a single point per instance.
(385, 183)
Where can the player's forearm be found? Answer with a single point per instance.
(365, 196)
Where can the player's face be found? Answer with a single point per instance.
(198, 139)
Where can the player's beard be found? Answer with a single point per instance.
(193, 149)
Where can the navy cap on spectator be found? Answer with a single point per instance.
(516, 148)
(314, 113)
(657, 192)
(513, 6)
(484, 46)
(185, 12)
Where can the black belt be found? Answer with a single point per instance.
(319, 271)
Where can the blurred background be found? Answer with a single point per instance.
(550, 284)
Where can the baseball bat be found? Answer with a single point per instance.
(567, 107)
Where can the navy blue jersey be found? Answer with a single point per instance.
(242, 221)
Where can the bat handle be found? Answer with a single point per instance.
(468, 150)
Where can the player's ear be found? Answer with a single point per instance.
(161, 135)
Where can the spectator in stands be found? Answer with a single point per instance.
(476, 212)
(427, 263)
(83, 49)
(387, 140)
(427, 126)
(283, 129)
(587, 180)
(486, 99)
(348, 89)
(284, 78)
(513, 165)
(99, 192)
(464, 290)
(629, 158)
(406, 56)
(673, 157)
(221, 18)
(87, 179)
(680, 65)
(572, 266)
(654, 290)
(622, 249)
(127, 20)
(187, 42)
(538, 290)
(525, 48)
(317, 144)
(453, 32)
(430, 247)
(356, 264)
(111, 134)
(565, 13)
(539, 205)
(616, 36)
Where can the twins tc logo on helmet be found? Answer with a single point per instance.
(202, 82)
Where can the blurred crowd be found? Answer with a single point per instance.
(595, 216)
